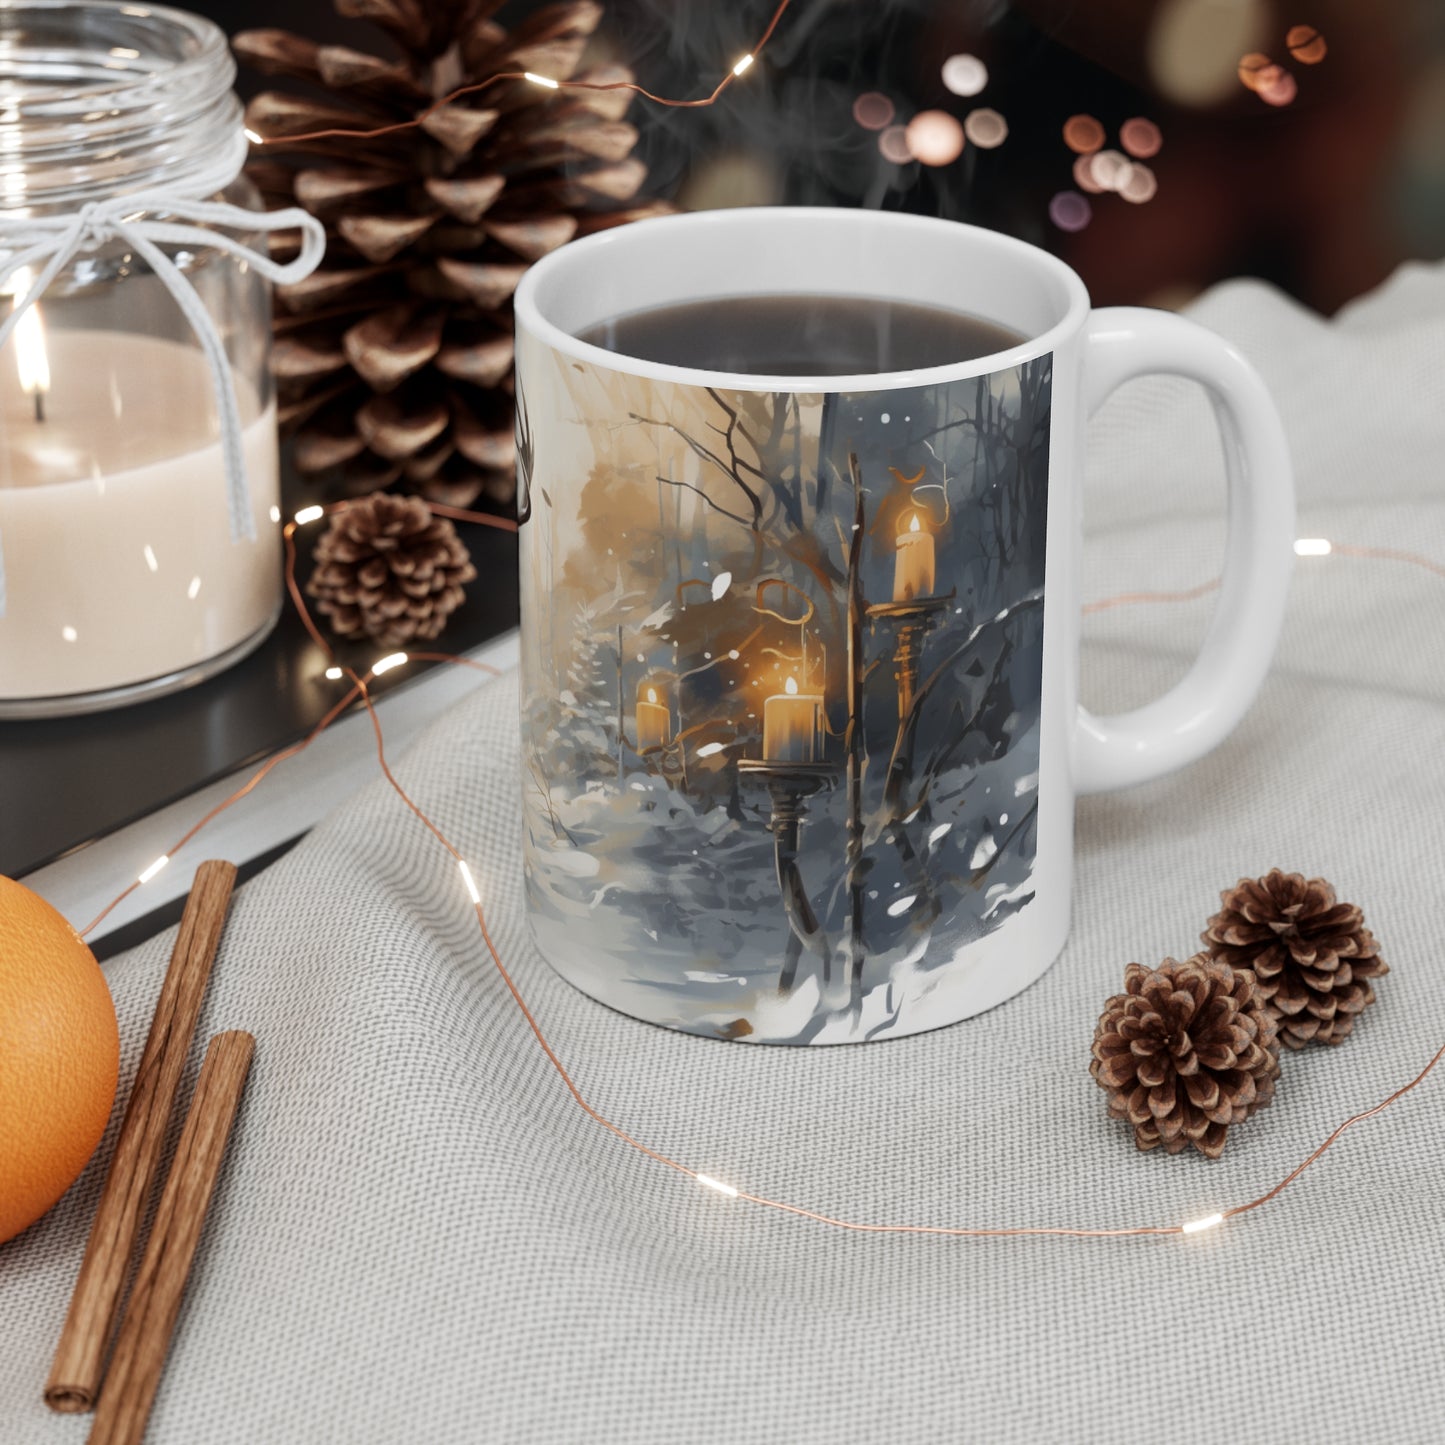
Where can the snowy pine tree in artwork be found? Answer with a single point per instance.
(781, 689)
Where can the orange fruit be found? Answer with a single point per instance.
(59, 1056)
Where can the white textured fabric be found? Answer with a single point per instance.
(419, 1237)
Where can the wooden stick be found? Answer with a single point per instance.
(79, 1363)
(155, 1298)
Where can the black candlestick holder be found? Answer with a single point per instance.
(789, 786)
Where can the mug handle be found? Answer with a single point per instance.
(1196, 714)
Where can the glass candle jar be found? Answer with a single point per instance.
(136, 559)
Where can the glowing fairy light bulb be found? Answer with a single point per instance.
(542, 80)
(742, 64)
(1196, 1226)
(708, 1182)
(472, 889)
(148, 873)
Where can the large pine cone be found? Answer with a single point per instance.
(394, 360)
(1185, 1051)
(1313, 956)
(387, 569)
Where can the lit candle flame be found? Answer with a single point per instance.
(652, 694)
(913, 525)
(791, 686)
(31, 359)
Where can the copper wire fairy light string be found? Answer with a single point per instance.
(295, 749)
(547, 82)
(360, 690)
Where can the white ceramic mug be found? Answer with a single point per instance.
(801, 732)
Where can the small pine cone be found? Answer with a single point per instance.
(387, 569)
(1313, 956)
(1185, 1051)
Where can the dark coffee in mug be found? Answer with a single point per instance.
(801, 335)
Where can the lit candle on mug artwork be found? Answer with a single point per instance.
(793, 726)
(654, 720)
(913, 574)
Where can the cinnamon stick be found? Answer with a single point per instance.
(155, 1298)
(79, 1362)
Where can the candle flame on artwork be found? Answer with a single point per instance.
(913, 525)
(652, 694)
(791, 687)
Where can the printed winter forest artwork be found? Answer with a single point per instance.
(781, 683)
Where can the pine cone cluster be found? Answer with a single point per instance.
(1187, 1050)
(387, 569)
(394, 359)
(1313, 957)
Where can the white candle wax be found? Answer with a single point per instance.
(913, 571)
(792, 725)
(654, 725)
(113, 518)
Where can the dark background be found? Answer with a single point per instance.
(1323, 196)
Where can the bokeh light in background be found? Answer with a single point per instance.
(1276, 86)
(1084, 175)
(735, 178)
(1070, 211)
(1252, 66)
(1109, 169)
(1306, 44)
(1140, 138)
(893, 142)
(1193, 46)
(985, 128)
(1084, 134)
(1321, 184)
(964, 74)
(934, 137)
(1139, 185)
(872, 110)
